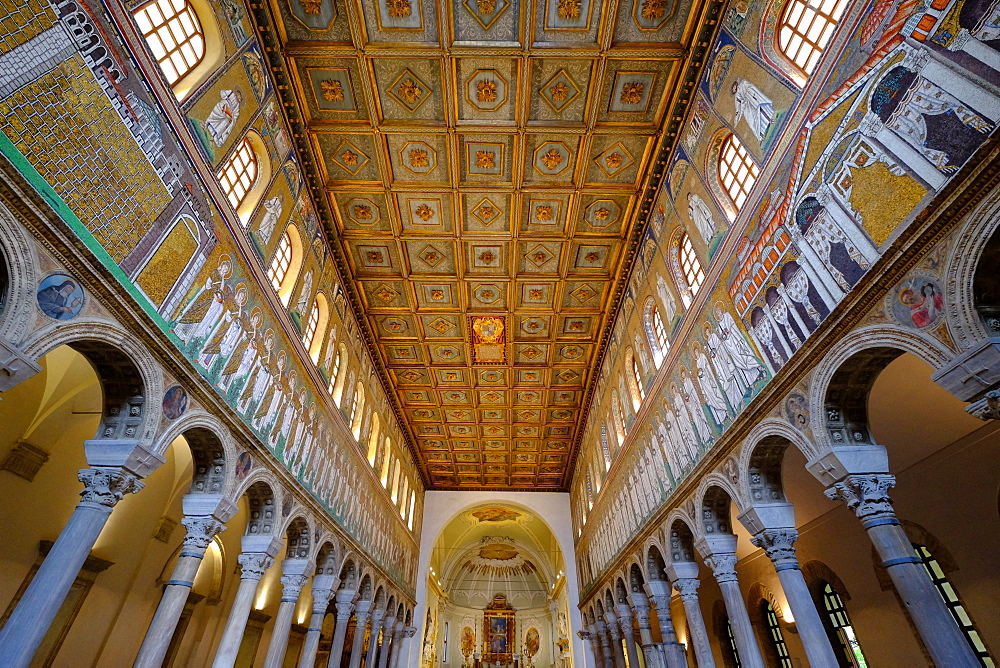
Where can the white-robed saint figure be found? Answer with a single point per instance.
(754, 107)
(221, 121)
(702, 216)
(273, 208)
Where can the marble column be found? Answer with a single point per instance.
(673, 652)
(589, 656)
(116, 470)
(615, 639)
(345, 606)
(201, 529)
(596, 646)
(719, 552)
(258, 555)
(606, 651)
(397, 642)
(687, 587)
(322, 592)
(293, 579)
(868, 496)
(628, 632)
(362, 610)
(779, 544)
(376, 624)
(388, 624)
(404, 646)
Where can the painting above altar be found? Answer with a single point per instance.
(498, 631)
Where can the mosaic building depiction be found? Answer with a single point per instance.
(499, 333)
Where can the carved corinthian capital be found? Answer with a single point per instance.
(687, 588)
(107, 486)
(583, 635)
(867, 495)
(723, 565)
(779, 544)
(291, 585)
(987, 408)
(201, 530)
(253, 565)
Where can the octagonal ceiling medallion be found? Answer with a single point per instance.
(652, 14)
(484, 158)
(551, 158)
(418, 157)
(486, 90)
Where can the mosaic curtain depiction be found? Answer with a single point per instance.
(781, 195)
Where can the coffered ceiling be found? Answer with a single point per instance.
(483, 163)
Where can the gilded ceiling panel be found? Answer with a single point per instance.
(483, 196)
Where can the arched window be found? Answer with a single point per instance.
(656, 333)
(240, 173)
(394, 486)
(174, 35)
(637, 379)
(357, 410)
(950, 597)
(805, 30)
(839, 628)
(386, 464)
(373, 440)
(444, 645)
(737, 170)
(690, 266)
(319, 315)
(730, 652)
(286, 263)
(618, 418)
(409, 519)
(776, 639)
(338, 375)
(405, 485)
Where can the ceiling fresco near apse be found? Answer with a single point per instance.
(483, 162)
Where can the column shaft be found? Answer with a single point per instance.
(376, 624)
(168, 612)
(740, 621)
(688, 588)
(357, 647)
(291, 586)
(30, 621)
(311, 643)
(232, 636)
(339, 634)
(386, 646)
(868, 496)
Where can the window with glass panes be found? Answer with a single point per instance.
(806, 29)
(737, 170)
(174, 35)
(240, 173)
(776, 637)
(658, 329)
(334, 371)
(732, 650)
(841, 623)
(310, 333)
(637, 376)
(281, 261)
(950, 597)
(691, 268)
(616, 409)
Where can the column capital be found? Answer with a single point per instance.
(409, 631)
(583, 635)
(253, 565)
(106, 486)
(388, 623)
(344, 610)
(723, 565)
(866, 494)
(201, 530)
(291, 586)
(779, 544)
(687, 588)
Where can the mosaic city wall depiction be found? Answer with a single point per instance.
(910, 96)
(82, 115)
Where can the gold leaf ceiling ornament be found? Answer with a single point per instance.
(517, 156)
